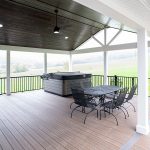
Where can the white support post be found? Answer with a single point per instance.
(45, 63)
(142, 103)
(105, 59)
(8, 84)
(70, 62)
(105, 68)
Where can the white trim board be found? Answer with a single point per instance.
(30, 49)
(106, 48)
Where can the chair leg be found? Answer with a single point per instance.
(115, 118)
(125, 110)
(74, 110)
(111, 114)
(82, 109)
(97, 112)
(71, 104)
(132, 106)
(104, 112)
(109, 111)
(87, 115)
(100, 114)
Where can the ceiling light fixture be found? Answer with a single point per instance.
(56, 29)
(66, 37)
(1, 25)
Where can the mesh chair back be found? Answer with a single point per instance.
(132, 92)
(79, 98)
(121, 97)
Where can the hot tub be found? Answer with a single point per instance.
(60, 83)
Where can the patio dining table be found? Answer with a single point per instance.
(101, 90)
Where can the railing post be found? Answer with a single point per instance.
(133, 81)
(116, 80)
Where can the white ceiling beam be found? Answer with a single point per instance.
(98, 41)
(114, 37)
(30, 49)
(107, 48)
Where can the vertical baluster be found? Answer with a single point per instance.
(24, 83)
(25, 87)
(30, 83)
(17, 84)
(11, 85)
(1, 86)
(35, 79)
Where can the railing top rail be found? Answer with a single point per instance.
(97, 75)
(115, 75)
(2, 77)
(26, 76)
(123, 76)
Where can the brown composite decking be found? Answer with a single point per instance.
(41, 121)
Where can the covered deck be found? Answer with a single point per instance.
(39, 120)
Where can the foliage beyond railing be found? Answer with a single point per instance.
(22, 83)
(29, 83)
(2, 85)
(97, 80)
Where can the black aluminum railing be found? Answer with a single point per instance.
(21, 84)
(29, 83)
(121, 81)
(97, 80)
(26, 83)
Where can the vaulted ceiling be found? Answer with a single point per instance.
(30, 23)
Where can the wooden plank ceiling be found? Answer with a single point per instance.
(30, 23)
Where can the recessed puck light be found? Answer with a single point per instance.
(66, 37)
(1, 25)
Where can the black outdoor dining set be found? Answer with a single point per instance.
(105, 99)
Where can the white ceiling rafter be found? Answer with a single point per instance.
(98, 41)
(145, 3)
(114, 37)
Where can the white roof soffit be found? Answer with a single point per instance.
(132, 13)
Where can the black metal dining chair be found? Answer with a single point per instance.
(115, 103)
(130, 96)
(82, 101)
